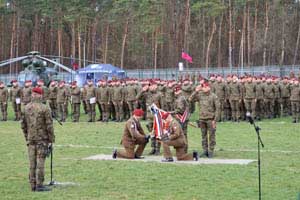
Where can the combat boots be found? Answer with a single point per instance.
(204, 154)
(42, 189)
(210, 154)
(167, 160)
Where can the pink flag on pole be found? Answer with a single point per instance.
(187, 57)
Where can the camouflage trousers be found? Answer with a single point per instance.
(220, 114)
(250, 105)
(179, 145)
(17, 110)
(100, 111)
(155, 144)
(84, 103)
(53, 106)
(235, 109)
(3, 107)
(208, 135)
(295, 110)
(269, 108)
(76, 111)
(119, 110)
(286, 106)
(92, 111)
(37, 155)
(260, 108)
(61, 111)
(104, 108)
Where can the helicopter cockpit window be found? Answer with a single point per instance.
(90, 76)
(22, 77)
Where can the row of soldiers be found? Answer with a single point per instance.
(264, 97)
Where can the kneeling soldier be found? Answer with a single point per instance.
(175, 138)
(133, 135)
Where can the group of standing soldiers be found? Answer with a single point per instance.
(263, 97)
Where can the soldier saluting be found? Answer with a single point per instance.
(209, 105)
(37, 126)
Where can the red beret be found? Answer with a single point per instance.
(61, 82)
(164, 115)
(205, 84)
(14, 81)
(138, 112)
(37, 90)
(28, 81)
(41, 81)
(1, 82)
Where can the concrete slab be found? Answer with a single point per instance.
(158, 159)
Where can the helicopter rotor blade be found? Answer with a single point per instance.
(10, 61)
(58, 64)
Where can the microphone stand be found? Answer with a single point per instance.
(259, 143)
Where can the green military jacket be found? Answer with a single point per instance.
(37, 123)
(75, 95)
(208, 104)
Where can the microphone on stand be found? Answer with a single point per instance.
(249, 118)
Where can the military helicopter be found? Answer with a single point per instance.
(36, 68)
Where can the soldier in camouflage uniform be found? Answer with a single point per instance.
(227, 108)
(250, 96)
(285, 91)
(259, 93)
(131, 92)
(151, 95)
(112, 111)
(219, 89)
(209, 105)
(75, 101)
(41, 84)
(170, 97)
(269, 95)
(15, 98)
(104, 99)
(52, 98)
(26, 93)
(98, 96)
(37, 126)
(295, 101)
(118, 99)
(62, 99)
(91, 100)
(83, 98)
(181, 108)
(234, 91)
(68, 93)
(3, 100)
(277, 98)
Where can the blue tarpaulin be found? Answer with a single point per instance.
(97, 72)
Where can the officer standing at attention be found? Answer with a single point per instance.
(37, 126)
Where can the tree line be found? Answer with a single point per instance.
(153, 33)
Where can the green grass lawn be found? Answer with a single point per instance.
(139, 180)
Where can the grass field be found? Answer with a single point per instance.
(138, 180)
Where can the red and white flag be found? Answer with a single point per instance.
(186, 57)
(182, 118)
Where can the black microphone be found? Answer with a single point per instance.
(249, 117)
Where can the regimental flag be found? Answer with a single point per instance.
(158, 125)
(182, 118)
(186, 57)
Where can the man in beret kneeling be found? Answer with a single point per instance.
(133, 135)
(175, 137)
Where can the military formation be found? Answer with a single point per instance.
(219, 99)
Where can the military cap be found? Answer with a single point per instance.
(37, 90)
